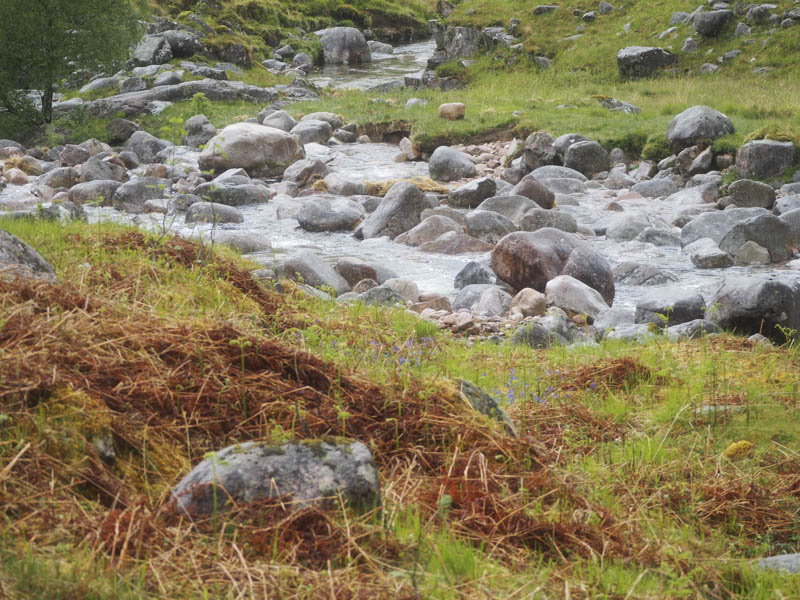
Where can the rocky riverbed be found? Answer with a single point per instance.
(483, 240)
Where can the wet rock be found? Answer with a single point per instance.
(398, 212)
(658, 237)
(307, 472)
(573, 296)
(524, 259)
(488, 226)
(448, 164)
(627, 225)
(587, 158)
(280, 119)
(344, 45)
(454, 242)
(471, 194)
(306, 171)
(234, 195)
(131, 196)
(751, 253)
(762, 159)
(312, 131)
(745, 193)
(261, 151)
(19, 259)
(538, 218)
(529, 187)
(706, 254)
(98, 191)
(635, 62)
(696, 124)
(557, 172)
(212, 212)
(428, 230)
(146, 146)
(792, 219)
(344, 186)
(94, 169)
(634, 273)
(307, 267)
(757, 304)
(563, 185)
(511, 207)
(474, 273)
(246, 242)
(670, 306)
(322, 214)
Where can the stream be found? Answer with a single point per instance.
(375, 162)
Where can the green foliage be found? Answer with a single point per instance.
(656, 148)
(777, 131)
(48, 40)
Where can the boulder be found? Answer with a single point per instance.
(448, 164)
(182, 44)
(746, 193)
(531, 259)
(562, 143)
(635, 62)
(261, 151)
(381, 295)
(344, 45)
(120, 130)
(302, 473)
(234, 195)
(312, 131)
(152, 50)
(511, 207)
(706, 254)
(98, 191)
(245, 242)
(471, 194)
(711, 23)
(94, 169)
(557, 172)
(454, 242)
(493, 302)
(691, 330)
(452, 111)
(587, 158)
(539, 150)
(655, 188)
(538, 218)
(488, 226)
(658, 237)
(461, 42)
(322, 214)
(332, 119)
(132, 84)
(199, 131)
(765, 158)
(72, 156)
(529, 187)
(306, 171)
(354, 270)
(280, 119)
(573, 296)
(474, 273)
(783, 563)
(398, 212)
(146, 146)
(765, 230)
(529, 303)
(212, 212)
(307, 267)
(626, 226)
(19, 259)
(792, 219)
(428, 230)
(344, 186)
(670, 306)
(786, 204)
(554, 328)
(696, 124)
(757, 304)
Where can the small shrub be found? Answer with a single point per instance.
(656, 148)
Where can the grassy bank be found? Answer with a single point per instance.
(618, 484)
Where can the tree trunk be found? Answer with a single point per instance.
(47, 103)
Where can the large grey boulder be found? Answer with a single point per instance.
(307, 267)
(562, 143)
(792, 219)
(670, 306)
(303, 473)
(212, 212)
(765, 230)
(635, 62)
(338, 184)
(306, 171)
(18, 259)
(398, 212)
(655, 188)
(587, 158)
(98, 191)
(535, 190)
(493, 302)
(531, 259)
(131, 196)
(428, 230)
(746, 193)
(448, 164)
(146, 146)
(538, 218)
(199, 131)
(461, 42)
(784, 563)
(280, 119)
(474, 273)
(312, 131)
(489, 226)
(557, 172)
(765, 158)
(511, 207)
(627, 225)
(711, 24)
(786, 204)
(696, 124)
(233, 195)
(261, 151)
(573, 296)
(455, 242)
(471, 194)
(633, 273)
(95, 168)
(323, 214)
(706, 254)
(539, 150)
(757, 304)
(554, 329)
(182, 44)
(469, 295)
(152, 50)
(344, 45)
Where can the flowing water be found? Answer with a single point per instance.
(375, 162)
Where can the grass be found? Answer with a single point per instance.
(614, 487)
